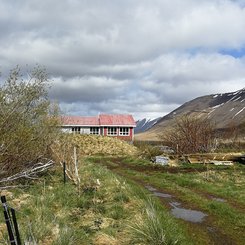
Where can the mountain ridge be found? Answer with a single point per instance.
(224, 109)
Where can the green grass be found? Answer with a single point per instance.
(150, 231)
(53, 213)
(223, 181)
(197, 188)
(116, 210)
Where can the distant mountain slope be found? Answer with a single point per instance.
(145, 124)
(224, 109)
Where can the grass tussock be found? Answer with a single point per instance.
(155, 226)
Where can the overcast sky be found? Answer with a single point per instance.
(143, 57)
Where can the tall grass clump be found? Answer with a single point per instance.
(69, 236)
(154, 226)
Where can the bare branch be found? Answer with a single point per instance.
(29, 173)
(12, 187)
(191, 134)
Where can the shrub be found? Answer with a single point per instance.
(191, 134)
(27, 120)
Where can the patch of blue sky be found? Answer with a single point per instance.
(236, 53)
(199, 50)
(240, 2)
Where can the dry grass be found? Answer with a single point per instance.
(94, 145)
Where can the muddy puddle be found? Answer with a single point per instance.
(177, 211)
(218, 199)
(160, 194)
(190, 215)
(150, 188)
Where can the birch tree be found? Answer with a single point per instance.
(28, 121)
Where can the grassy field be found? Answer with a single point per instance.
(218, 191)
(106, 209)
(125, 199)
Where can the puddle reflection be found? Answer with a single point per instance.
(190, 215)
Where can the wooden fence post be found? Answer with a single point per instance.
(64, 171)
(75, 161)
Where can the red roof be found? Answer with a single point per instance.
(116, 120)
(101, 120)
(77, 120)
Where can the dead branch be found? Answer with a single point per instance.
(12, 187)
(29, 173)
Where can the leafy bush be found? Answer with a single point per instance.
(27, 120)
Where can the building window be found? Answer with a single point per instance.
(94, 130)
(112, 131)
(124, 131)
(76, 130)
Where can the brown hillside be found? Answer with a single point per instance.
(223, 109)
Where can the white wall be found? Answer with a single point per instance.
(66, 130)
(85, 130)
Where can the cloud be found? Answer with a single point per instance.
(179, 77)
(86, 89)
(142, 57)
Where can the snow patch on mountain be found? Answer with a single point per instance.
(145, 124)
(239, 112)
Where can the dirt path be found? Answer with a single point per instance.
(200, 225)
(119, 164)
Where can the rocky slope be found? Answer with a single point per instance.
(224, 109)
